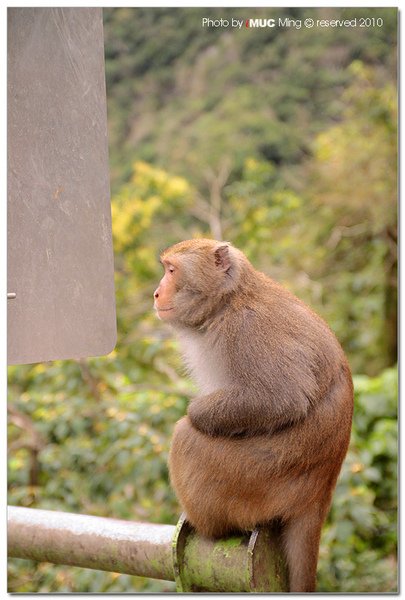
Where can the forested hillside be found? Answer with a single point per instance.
(187, 97)
(283, 141)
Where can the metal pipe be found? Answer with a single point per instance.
(143, 549)
(250, 562)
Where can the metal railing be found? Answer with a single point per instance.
(243, 563)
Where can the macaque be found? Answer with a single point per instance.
(266, 436)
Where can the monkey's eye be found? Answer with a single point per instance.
(170, 268)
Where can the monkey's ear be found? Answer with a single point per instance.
(222, 258)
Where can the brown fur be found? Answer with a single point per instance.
(267, 436)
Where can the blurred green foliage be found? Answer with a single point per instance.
(358, 549)
(284, 143)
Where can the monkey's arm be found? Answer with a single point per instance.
(234, 411)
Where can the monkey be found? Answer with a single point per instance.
(266, 435)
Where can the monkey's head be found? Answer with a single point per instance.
(199, 275)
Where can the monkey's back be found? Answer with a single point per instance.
(272, 343)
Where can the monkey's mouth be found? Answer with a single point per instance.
(163, 309)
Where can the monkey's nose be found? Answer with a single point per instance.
(156, 294)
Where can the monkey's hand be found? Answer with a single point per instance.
(226, 413)
(208, 418)
(236, 412)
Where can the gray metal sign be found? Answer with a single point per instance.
(61, 301)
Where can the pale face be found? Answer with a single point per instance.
(165, 291)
